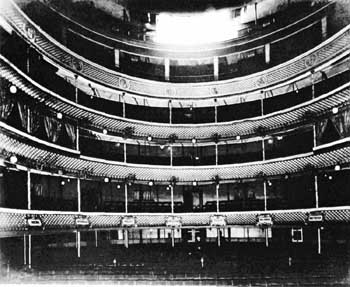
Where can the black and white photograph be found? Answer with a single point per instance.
(175, 143)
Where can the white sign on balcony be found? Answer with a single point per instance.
(218, 220)
(264, 220)
(173, 221)
(128, 221)
(82, 221)
(34, 222)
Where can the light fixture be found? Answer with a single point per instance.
(337, 167)
(194, 183)
(104, 131)
(68, 180)
(269, 183)
(59, 116)
(279, 138)
(330, 177)
(149, 138)
(335, 110)
(118, 186)
(238, 137)
(167, 188)
(270, 141)
(106, 179)
(150, 183)
(13, 159)
(194, 140)
(161, 146)
(13, 89)
(63, 182)
(197, 158)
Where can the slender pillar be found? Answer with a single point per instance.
(29, 251)
(267, 53)
(29, 197)
(265, 196)
(216, 68)
(28, 128)
(124, 108)
(126, 238)
(216, 110)
(267, 237)
(219, 237)
(124, 146)
(172, 237)
(24, 249)
(28, 61)
(78, 243)
(171, 155)
(172, 197)
(319, 240)
(316, 191)
(77, 101)
(96, 238)
(126, 196)
(256, 12)
(216, 154)
(79, 194)
(170, 112)
(324, 27)
(217, 197)
(167, 69)
(77, 138)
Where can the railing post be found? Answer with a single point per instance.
(126, 196)
(79, 194)
(29, 198)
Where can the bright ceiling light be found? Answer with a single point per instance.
(195, 28)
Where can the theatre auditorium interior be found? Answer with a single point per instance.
(183, 142)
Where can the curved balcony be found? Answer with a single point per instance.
(176, 64)
(33, 153)
(16, 220)
(319, 107)
(18, 21)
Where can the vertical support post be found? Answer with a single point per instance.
(324, 27)
(29, 197)
(267, 53)
(216, 68)
(24, 249)
(170, 112)
(256, 12)
(124, 107)
(126, 196)
(265, 196)
(217, 198)
(78, 243)
(316, 191)
(267, 237)
(319, 240)
(172, 237)
(124, 147)
(28, 61)
(216, 110)
(29, 251)
(28, 127)
(171, 155)
(216, 154)
(167, 69)
(219, 237)
(126, 238)
(172, 197)
(96, 239)
(79, 194)
(77, 127)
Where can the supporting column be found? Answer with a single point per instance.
(217, 198)
(216, 154)
(172, 198)
(316, 191)
(267, 53)
(267, 237)
(126, 238)
(167, 69)
(219, 237)
(170, 112)
(29, 251)
(171, 155)
(172, 237)
(28, 61)
(265, 195)
(77, 101)
(29, 197)
(124, 146)
(126, 196)
(28, 128)
(324, 27)
(24, 250)
(78, 243)
(216, 68)
(79, 194)
(319, 240)
(256, 12)
(216, 110)
(124, 108)
(96, 239)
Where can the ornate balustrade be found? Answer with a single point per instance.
(15, 19)
(17, 220)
